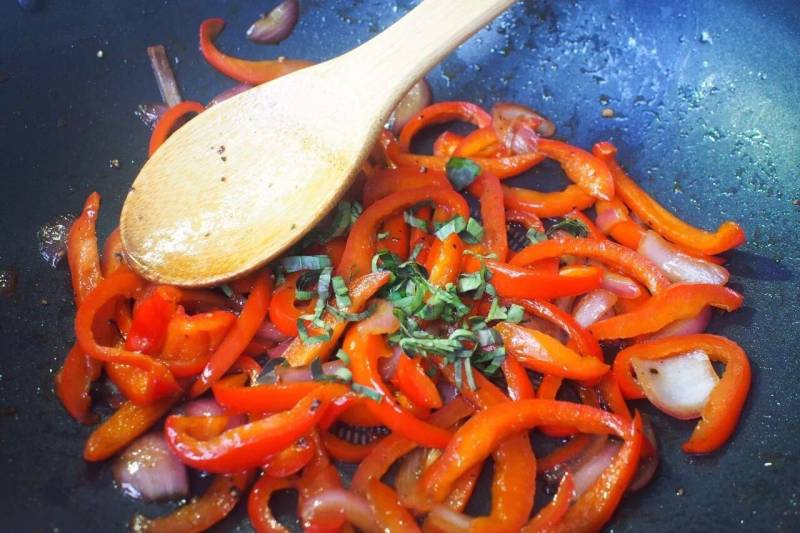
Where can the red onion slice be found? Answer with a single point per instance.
(382, 321)
(446, 390)
(52, 239)
(277, 25)
(149, 470)
(229, 93)
(418, 98)
(442, 518)
(278, 350)
(335, 504)
(687, 326)
(678, 385)
(608, 218)
(388, 365)
(679, 266)
(286, 374)
(519, 127)
(622, 286)
(210, 407)
(270, 332)
(591, 467)
(594, 306)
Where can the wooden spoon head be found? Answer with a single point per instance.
(244, 180)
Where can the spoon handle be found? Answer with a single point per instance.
(385, 67)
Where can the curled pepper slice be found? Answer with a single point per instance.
(253, 72)
(387, 509)
(391, 180)
(440, 113)
(608, 252)
(676, 302)
(168, 121)
(542, 353)
(587, 171)
(547, 204)
(258, 503)
(728, 235)
(512, 281)
(723, 408)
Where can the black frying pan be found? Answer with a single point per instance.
(706, 107)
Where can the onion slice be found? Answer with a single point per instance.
(678, 385)
(679, 266)
(687, 326)
(592, 466)
(594, 306)
(277, 25)
(339, 503)
(287, 374)
(622, 286)
(210, 407)
(270, 332)
(519, 127)
(382, 321)
(149, 470)
(150, 113)
(415, 100)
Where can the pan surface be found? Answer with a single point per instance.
(705, 98)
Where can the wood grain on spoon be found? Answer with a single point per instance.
(244, 180)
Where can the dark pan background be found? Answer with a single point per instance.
(707, 103)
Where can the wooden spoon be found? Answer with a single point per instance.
(245, 179)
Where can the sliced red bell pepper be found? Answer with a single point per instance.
(122, 427)
(480, 142)
(546, 204)
(587, 171)
(283, 311)
(291, 459)
(513, 281)
(519, 384)
(252, 316)
(444, 260)
(387, 509)
(393, 447)
(482, 433)
(493, 214)
(440, 113)
(121, 284)
(82, 254)
(397, 235)
(410, 379)
(258, 509)
(345, 451)
(420, 237)
(134, 383)
(728, 236)
(242, 70)
(168, 122)
(542, 353)
(113, 255)
(526, 218)
(724, 406)
(200, 514)
(203, 443)
(607, 252)
(191, 339)
(563, 454)
(552, 513)
(151, 317)
(391, 180)
(361, 290)
(361, 243)
(676, 302)
(446, 143)
(319, 476)
(364, 351)
(232, 393)
(73, 384)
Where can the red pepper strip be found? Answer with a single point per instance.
(393, 447)
(283, 312)
(113, 256)
(446, 143)
(440, 113)
(552, 513)
(246, 446)
(480, 141)
(516, 282)
(151, 317)
(397, 239)
(252, 316)
(542, 353)
(607, 252)
(444, 260)
(676, 302)
(200, 514)
(344, 451)
(258, 503)
(391, 180)
(291, 459)
(134, 383)
(612, 396)
(594, 231)
(546, 204)
(121, 284)
(519, 384)
(168, 121)
(493, 214)
(364, 351)
(242, 70)
(387, 509)
(122, 427)
(232, 393)
(729, 235)
(420, 237)
(565, 453)
(320, 475)
(502, 167)
(361, 290)
(587, 171)
(357, 258)
(334, 249)
(526, 218)
(724, 406)
(475, 440)
(82, 255)
(200, 300)
(410, 379)
(595, 507)
(73, 384)
(462, 489)
(580, 336)
(191, 339)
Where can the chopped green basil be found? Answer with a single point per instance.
(462, 172)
